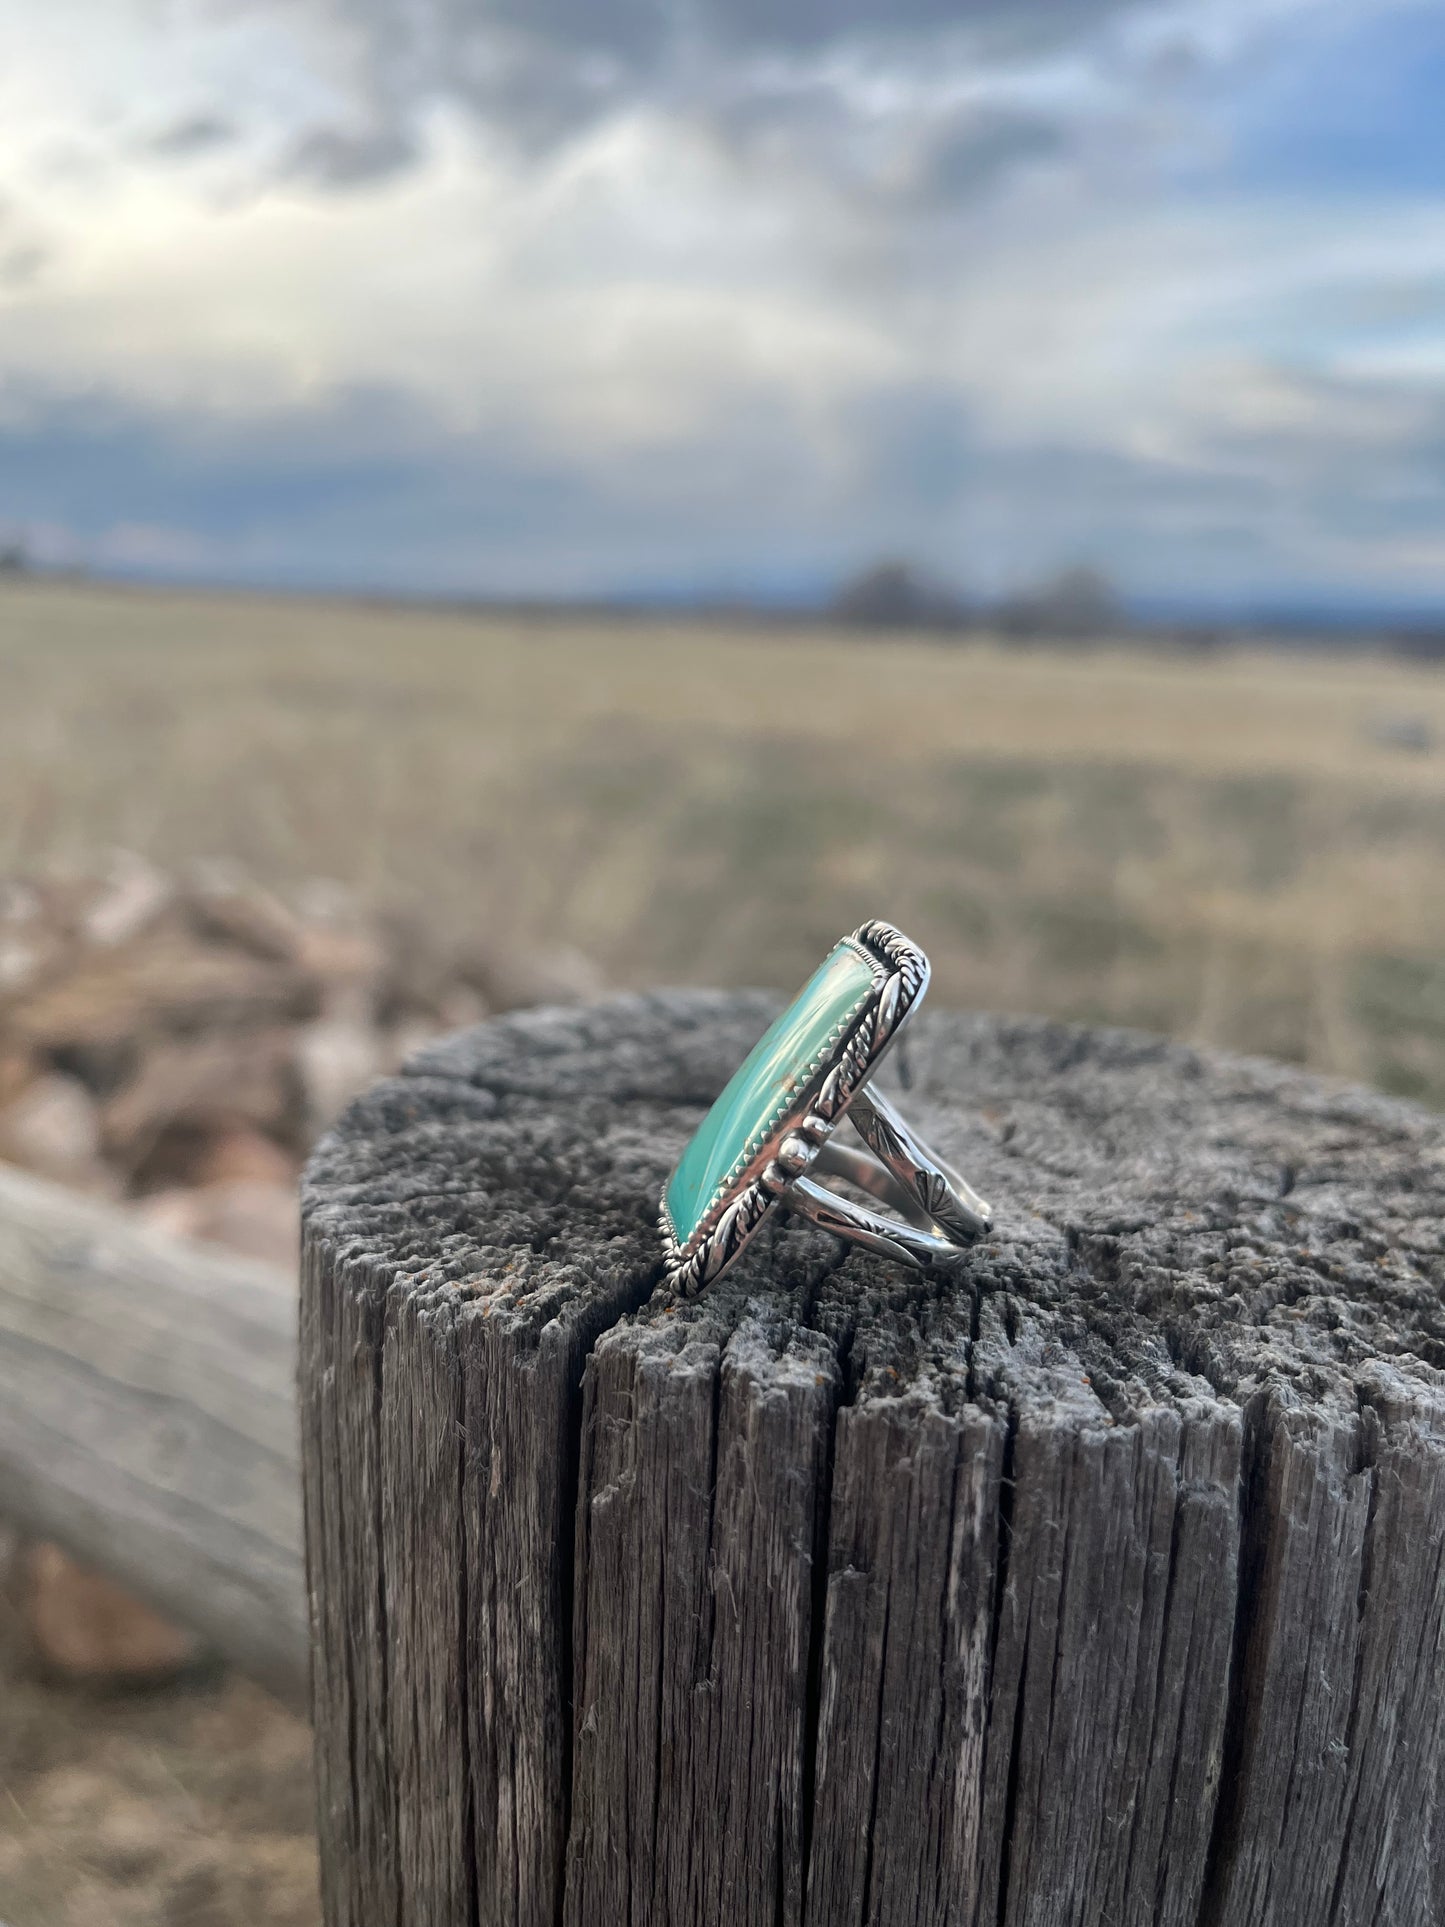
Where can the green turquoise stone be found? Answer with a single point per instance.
(766, 1085)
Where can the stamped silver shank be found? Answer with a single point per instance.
(941, 1214)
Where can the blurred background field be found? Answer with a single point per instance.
(1242, 846)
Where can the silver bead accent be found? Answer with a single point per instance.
(795, 1153)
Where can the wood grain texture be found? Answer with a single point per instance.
(1103, 1584)
(148, 1419)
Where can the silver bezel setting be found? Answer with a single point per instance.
(900, 977)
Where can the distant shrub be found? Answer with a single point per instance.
(1420, 645)
(897, 595)
(1077, 602)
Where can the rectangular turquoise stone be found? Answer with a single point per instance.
(767, 1084)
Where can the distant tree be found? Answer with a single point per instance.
(1201, 638)
(1424, 644)
(1407, 732)
(899, 595)
(14, 557)
(1077, 602)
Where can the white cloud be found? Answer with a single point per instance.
(619, 293)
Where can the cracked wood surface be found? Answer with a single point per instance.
(1102, 1584)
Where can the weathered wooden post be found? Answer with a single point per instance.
(1103, 1585)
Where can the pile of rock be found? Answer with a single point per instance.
(175, 1043)
(179, 1040)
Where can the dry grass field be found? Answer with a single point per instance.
(188, 1808)
(1227, 847)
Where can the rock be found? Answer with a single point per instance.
(401, 1040)
(17, 1069)
(27, 943)
(339, 947)
(228, 905)
(19, 902)
(337, 1057)
(243, 1155)
(131, 896)
(424, 971)
(179, 1211)
(87, 1628)
(164, 981)
(207, 1086)
(342, 962)
(22, 956)
(244, 1214)
(457, 1008)
(53, 1129)
(560, 975)
(460, 1006)
(10, 1544)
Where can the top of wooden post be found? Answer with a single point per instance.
(1103, 1582)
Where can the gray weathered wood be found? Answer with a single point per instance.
(1104, 1584)
(148, 1418)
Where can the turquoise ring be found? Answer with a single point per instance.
(771, 1133)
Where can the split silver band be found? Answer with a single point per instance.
(941, 1214)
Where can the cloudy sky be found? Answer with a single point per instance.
(727, 296)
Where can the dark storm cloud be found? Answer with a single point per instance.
(22, 264)
(639, 32)
(351, 157)
(538, 71)
(23, 257)
(195, 134)
(969, 156)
